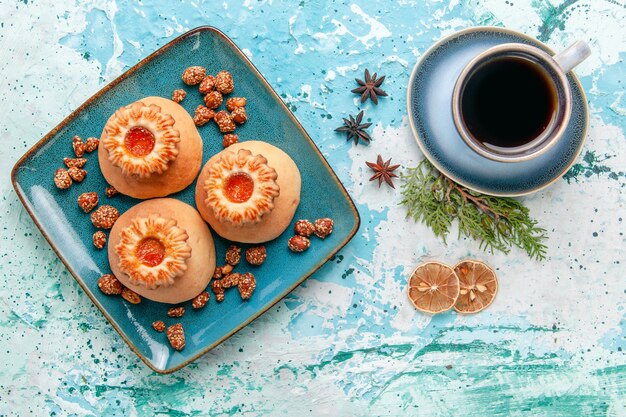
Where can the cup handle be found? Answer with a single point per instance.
(572, 55)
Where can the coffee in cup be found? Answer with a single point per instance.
(513, 101)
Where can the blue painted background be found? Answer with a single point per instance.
(347, 342)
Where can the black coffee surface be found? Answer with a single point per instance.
(508, 101)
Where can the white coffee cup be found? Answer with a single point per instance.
(555, 69)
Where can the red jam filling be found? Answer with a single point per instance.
(238, 187)
(139, 141)
(150, 251)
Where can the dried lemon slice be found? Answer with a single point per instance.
(479, 286)
(433, 287)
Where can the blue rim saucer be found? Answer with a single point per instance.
(429, 102)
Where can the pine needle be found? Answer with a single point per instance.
(498, 223)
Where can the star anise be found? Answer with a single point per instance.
(383, 171)
(370, 87)
(355, 129)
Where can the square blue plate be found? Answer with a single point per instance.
(69, 230)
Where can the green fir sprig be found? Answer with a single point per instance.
(498, 223)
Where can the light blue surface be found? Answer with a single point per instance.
(347, 342)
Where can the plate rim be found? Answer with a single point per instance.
(43, 141)
(436, 164)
